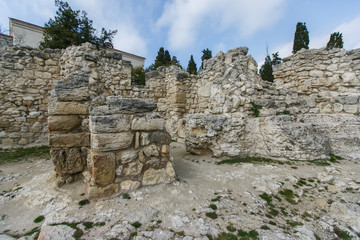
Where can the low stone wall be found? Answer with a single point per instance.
(129, 147)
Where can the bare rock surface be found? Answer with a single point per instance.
(289, 200)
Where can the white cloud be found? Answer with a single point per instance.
(185, 18)
(350, 32)
(129, 40)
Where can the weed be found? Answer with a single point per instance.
(293, 224)
(126, 196)
(264, 227)
(266, 197)
(133, 234)
(231, 228)
(217, 199)
(181, 234)
(342, 234)
(244, 204)
(289, 195)
(84, 202)
(136, 224)
(255, 109)
(334, 158)
(306, 215)
(211, 215)
(273, 212)
(226, 236)
(18, 154)
(100, 224)
(317, 237)
(213, 206)
(320, 162)
(248, 235)
(88, 225)
(272, 223)
(78, 233)
(39, 219)
(32, 231)
(285, 112)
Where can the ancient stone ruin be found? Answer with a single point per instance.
(112, 134)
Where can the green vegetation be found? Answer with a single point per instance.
(285, 112)
(181, 234)
(32, 231)
(255, 109)
(18, 154)
(163, 58)
(293, 224)
(207, 54)
(301, 38)
(84, 202)
(136, 224)
(334, 158)
(226, 236)
(335, 41)
(88, 225)
(289, 195)
(266, 197)
(211, 215)
(320, 162)
(230, 228)
(192, 69)
(266, 70)
(248, 235)
(217, 199)
(264, 227)
(246, 160)
(69, 28)
(133, 234)
(138, 76)
(39, 219)
(213, 206)
(344, 235)
(126, 196)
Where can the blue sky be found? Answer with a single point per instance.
(186, 27)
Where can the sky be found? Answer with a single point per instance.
(186, 27)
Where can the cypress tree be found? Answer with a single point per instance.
(301, 38)
(159, 60)
(266, 71)
(192, 69)
(335, 41)
(167, 58)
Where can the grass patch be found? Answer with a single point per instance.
(246, 160)
(264, 227)
(293, 224)
(84, 202)
(213, 206)
(88, 225)
(288, 195)
(136, 224)
(230, 228)
(133, 234)
(344, 235)
(32, 231)
(18, 154)
(334, 158)
(266, 197)
(248, 235)
(320, 163)
(181, 234)
(226, 236)
(126, 196)
(285, 112)
(217, 199)
(39, 219)
(273, 212)
(211, 215)
(255, 109)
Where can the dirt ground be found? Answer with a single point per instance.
(296, 200)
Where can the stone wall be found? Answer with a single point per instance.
(26, 78)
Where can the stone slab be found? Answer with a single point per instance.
(69, 140)
(111, 141)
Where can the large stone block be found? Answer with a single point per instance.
(103, 168)
(68, 161)
(63, 123)
(129, 185)
(154, 176)
(69, 140)
(65, 108)
(109, 124)
(111, 141)
(178, 97)
(76, 89)
(96, 191)
(130, 105)
(132, 169)
(147, 124)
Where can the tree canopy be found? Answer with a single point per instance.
(301, 38)
(69, 27)
(163, 59)
(335, 41)
(207, 54)
(192, 66)
(266, 70)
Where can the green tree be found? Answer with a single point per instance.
(266, 70)
(301, 38)
(207, 54)
(175, 61)
(70, 28)
(192, 66)
(138, 76)
(167, 58)
(159, 60)
(336, 41)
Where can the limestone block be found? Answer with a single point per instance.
(165, 149)
(111, 141)
(144, 124)
(351, 109)
(4, 124)
(109, 124)
(129, 105)
(338, 107)
(129, 185)
(137, 140)
(63, 123)
(170, 170)
(96, 191)
(133, 169)
(76, 89)
(151, 150)
(65, 108)
(178, 97)
(127, 156)
(69, 140)
(103, 168)
(154, 176)
(67, 161)
(144, 139)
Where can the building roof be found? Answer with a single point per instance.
(41, 28)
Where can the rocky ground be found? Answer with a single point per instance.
(295, 200)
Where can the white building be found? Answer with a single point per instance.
(27, 34)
